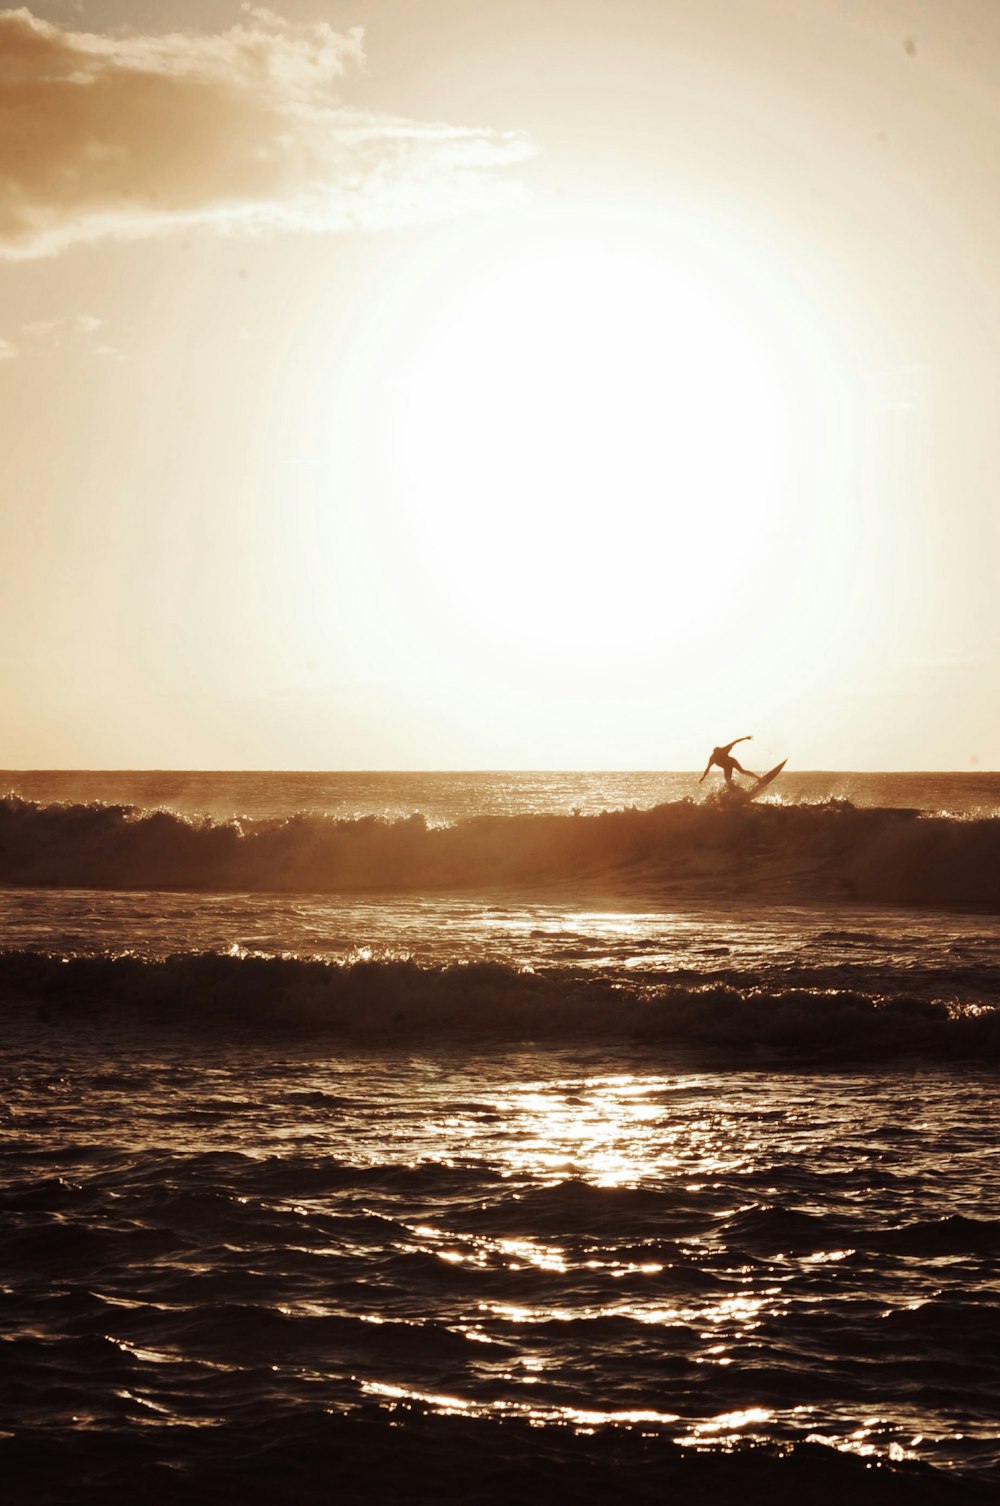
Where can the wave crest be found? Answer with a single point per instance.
(833, 850)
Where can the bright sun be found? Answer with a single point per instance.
(588, 453)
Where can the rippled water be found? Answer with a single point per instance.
(574, 1239)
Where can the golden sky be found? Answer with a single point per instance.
(499, 383)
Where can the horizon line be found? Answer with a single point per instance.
(329, 773)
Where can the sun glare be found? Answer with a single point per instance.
(589, 452)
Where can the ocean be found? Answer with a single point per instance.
(496, 1137)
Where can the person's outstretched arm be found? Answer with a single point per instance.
(707, 767)
(730, 746)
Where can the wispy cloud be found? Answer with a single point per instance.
(60, 331)
(246, 130)
(83, 331)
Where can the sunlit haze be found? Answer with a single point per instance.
(436, 385)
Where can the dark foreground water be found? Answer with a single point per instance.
(405, 1194)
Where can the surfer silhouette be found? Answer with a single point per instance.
(722, 758)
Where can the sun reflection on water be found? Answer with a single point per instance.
(582, 1419)
(616, 1131)
(726, 1429)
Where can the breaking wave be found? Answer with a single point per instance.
(832, 850)
(400, 1001)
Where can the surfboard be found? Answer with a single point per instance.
(765, 779)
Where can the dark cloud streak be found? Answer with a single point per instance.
(130, 135)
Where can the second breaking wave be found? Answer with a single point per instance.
(382, 1003)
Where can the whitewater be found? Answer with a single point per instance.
(466, 1137)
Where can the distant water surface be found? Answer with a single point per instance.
(454, 796)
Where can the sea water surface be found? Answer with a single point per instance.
(483, 1137)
